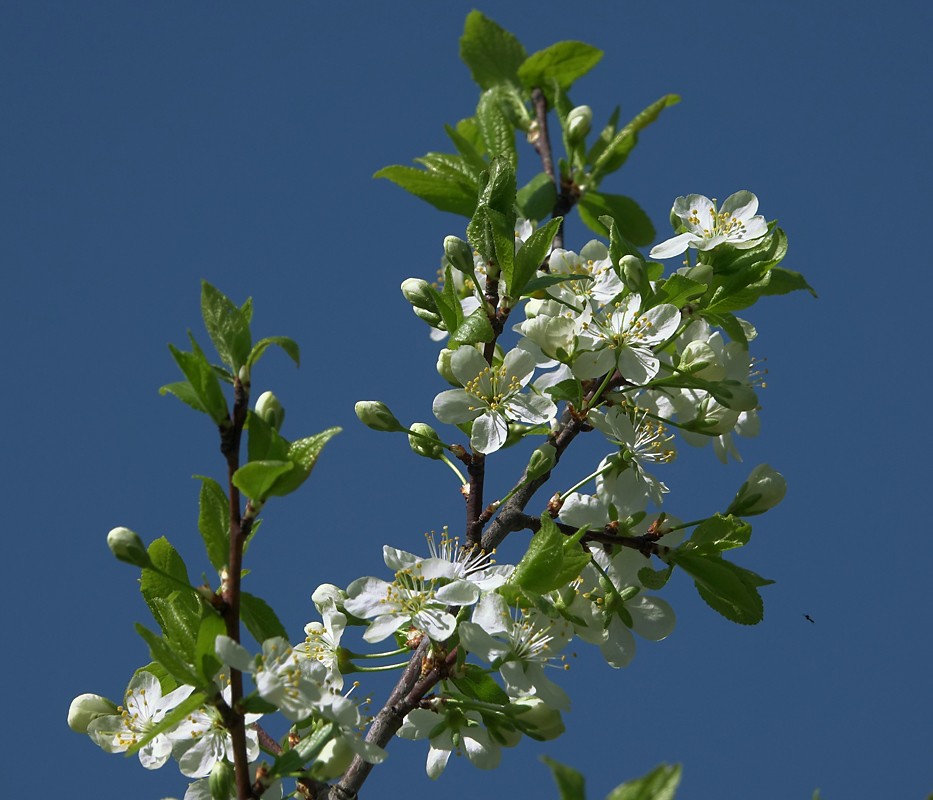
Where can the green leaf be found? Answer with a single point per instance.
(288, 345)
(659, 784)
(477, 684)
(654, 580)
(726, 588)
(265, 442)
(474, 328)
(543, 281)
(631, 221)
(214, 521)
(259, 618)
(191, 703)
(728, 260)
(303, 455)
(155, 586)
(203, 380)
(677, 290)
(166, 682)
(551, 561)
(616, 152)
(227, 325)
(179, 626)
(531, 255)
(563, 61)
(468, 130)
(783, 281)
(162, 653)
(495, 128)
(605, 137)
(619, 246)
(718, 533)
(730, 324)
(205, 657)
(569, 389)
(491, 52)
(255, 479)
(447, 302)
(185, 392)
(537, 198)
(452, 167)
(491, 232)
(570, 783)
(444, 194)
(254, 704)
(467, 148)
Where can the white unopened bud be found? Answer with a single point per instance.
(85, 708)
(578, 123)
(634, 275)
(128, 547)
(377, 416)
(444, 369)
(421, 445)
(417, 291)
(459, 254)
(270, 409)
(764, 489)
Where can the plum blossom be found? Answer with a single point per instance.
(461, 731)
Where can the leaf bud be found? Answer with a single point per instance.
(444, 369)
(221, 779)
(85, 708)
(633, 273)
(537, 719)
(270, 409)
(421, 446)
(764, 489)
(128, 547)
(377, 416)
(417, 291)
(578, 124)
(542, 461)
(243, 375)
(459, 254)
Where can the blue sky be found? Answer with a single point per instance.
(148, 146)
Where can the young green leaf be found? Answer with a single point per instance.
(179, 625)
(203, 380)
(227, 325)
(491, 52)
(259, 618)
(302, 455)
(255, 479)
(726, 588)
(288, 345)
(495, 128)
(162, 653)
(467, 148)
(477, 684)
(474, 328)
(265, 442)
(537, 198)
(563, 61)
(659, 784)
(445, 194)
(654, 580)
(214, 521)
(452, 167)
(605, 137)
(570, 783)
(154, 585)
(677, 290)
(531, 254)
(206, 662)
(185, 392)
(631, 221)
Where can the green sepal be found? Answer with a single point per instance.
(467, 149)
(256, 478)
(491, 52)
(474, 328)
(495, 127)
(166, 682)
(659, 784)
(191, 703)
(265, 442)
(303, 455)
(632, 222)
(569, 389)
(214, 521)
(162, 653)
(563, 62)
(543, 281)
(477, 684)
(203, 380)
(676, 290)
(259, 618)
(726, 588)
(617, 151)
(531, 255)
(445, 194)
(288, 345)
(716, 534)
(551, 561)
(654, 580)
(228, 326)
(185, 392)
(537, 198)
(570, 783)
(206, 663)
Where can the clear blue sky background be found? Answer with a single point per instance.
(149, 145)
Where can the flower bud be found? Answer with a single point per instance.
(418, 292)
(444, 369)
(85, 708)
(542, 461)
(459, 254)
(699, 359)
(537, 719)
(423, 447)
(221, 780)
(517, 432)
(270, 409)
(578, 124)
(764, 489)
(128, 547)
(633, 272)
(377, 416)
(434, 320)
